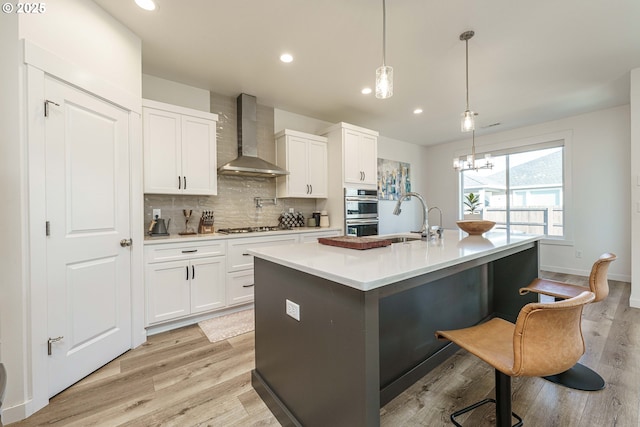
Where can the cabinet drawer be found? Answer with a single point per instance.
(239, 259)
(240, 287)
(313, 236)
(179, 251)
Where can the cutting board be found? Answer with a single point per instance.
(352, 242)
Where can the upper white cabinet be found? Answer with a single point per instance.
(179, 150)
(358, 149)
(305, 157)
(360, 157)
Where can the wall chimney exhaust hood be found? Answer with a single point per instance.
(248, 163)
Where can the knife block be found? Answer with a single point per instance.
(205, 226)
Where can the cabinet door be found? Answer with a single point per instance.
(199, 164)
(317, 168)
(162, 151)
(207, 284)
(297, 166)
(240, 287)
(368, 149)
(351, 147)
(167, 286)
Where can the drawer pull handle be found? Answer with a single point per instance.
(187, 268)
(193, 272)
(248, 286)
(245, 254)
(190, 251)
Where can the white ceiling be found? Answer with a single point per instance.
(529, 61)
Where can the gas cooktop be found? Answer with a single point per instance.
(249, 229)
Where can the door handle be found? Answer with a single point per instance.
(179, 183)
(193, 272)
(126, 242)
(51, 341)
(185, 182)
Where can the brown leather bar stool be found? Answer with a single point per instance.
(579, 377)
(546, 339)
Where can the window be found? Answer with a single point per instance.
(524, 192)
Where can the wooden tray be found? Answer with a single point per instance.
(352, 242)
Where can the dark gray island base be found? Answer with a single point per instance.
(352, 350)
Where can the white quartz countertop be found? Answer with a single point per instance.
(373, 268)
(177, 238)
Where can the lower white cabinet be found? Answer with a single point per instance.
(312, 237)
(240, 264)
(184, 281)
(191, 283)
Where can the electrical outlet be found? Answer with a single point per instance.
(578, 254)
(293, 310)
(156, 214)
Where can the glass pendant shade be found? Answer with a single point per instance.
(468, 121)
(384, 82)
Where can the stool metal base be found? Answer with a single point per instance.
(579, 377)
(477, 405)
(502, 401)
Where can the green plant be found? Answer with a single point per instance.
(472, 203)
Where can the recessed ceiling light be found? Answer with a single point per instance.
(417, 111)
(366, 91)
(286, 57)
(146, 4)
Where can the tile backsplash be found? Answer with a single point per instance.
(234, 206)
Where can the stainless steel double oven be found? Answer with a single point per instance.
(360, 212)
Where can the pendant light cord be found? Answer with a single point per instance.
(384, 34)
(466, 43)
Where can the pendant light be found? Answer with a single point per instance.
(469, 163)
(468, 117)
(384, 74)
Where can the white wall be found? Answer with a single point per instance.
(82, 33)
(90, 48)
(388, 148)
(175, 93)
(635, 188)
(12, 220)
(600, 187)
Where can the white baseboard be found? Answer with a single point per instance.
(584, 273)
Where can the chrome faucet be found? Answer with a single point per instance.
(439, 230)
(424, 231)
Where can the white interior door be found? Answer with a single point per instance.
(87, 204)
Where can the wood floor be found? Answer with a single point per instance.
(179, 378)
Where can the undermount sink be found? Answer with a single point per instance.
(402, 239)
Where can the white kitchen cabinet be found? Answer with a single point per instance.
(360, 156)
(240, 264)
(312, 237)
(305, 157)
(182, 279)
(179, 150)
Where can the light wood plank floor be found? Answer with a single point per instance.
(179, 378)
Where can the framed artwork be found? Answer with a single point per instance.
(393, 179)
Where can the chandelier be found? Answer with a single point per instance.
(469, 163)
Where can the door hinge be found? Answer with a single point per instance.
(51, 341)
(47, 228)
(46, 106)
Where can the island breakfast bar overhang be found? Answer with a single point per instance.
(367, 318)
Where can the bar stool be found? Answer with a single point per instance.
(579, 377)
(546, 339)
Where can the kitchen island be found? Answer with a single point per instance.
(367, 318)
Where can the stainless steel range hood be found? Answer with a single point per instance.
(248, 163)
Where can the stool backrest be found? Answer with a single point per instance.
(598, 277)
(548, 337)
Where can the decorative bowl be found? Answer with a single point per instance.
(475, 227)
